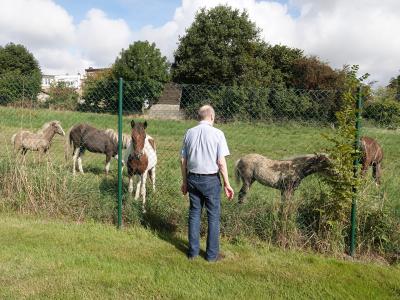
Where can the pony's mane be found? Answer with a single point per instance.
(304, 156)
(47, 125)
(126, 139)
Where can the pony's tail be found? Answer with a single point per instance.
(67, 144)
(237, 172)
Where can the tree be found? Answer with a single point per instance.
(222, 47)
(394, 84)
(144, 70)
(20, 74)
(283, 59)
(142, 61)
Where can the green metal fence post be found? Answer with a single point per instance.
(120, 91)
(356, 164)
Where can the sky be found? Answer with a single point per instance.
(67, 36)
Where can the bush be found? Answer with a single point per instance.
(384, 113)
(62, 97)
(15, 87)
(261, 104)
(99, 95)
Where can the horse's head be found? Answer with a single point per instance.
(56, 125)
(321, 162)
(138, 135)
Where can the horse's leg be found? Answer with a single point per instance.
(23, 152)
(376, 173)
(108, 161)
(138, 188)
(80, 161)
(74, 158)
(130, 187)
(243, 191)
(152, 175)
(364, 168)
(143, 190)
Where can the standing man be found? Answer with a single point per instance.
(202, 160)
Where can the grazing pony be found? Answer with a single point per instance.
(371, 155)
(284, 175)
(82, 137)
(40, 141)
(141, 160)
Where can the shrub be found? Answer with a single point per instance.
(62, 97)
(384, 113)
(99, 95)
(15, 87)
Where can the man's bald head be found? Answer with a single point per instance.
(206, 112)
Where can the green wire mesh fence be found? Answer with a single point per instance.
(277, 123)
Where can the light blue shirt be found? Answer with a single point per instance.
(203, 146)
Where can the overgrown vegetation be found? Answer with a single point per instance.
(49, 189)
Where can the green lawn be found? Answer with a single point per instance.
(56, 260)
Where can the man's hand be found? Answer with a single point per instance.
(184, 188)
(229, 192)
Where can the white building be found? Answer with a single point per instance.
(47, 80)
(73, 81)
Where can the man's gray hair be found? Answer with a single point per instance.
(206, 111)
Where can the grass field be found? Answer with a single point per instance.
(52, 190)
(44, 259)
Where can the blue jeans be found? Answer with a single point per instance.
(204, 190)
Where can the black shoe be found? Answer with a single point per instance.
(192, 257)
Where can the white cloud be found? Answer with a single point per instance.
(37, 23)
(101, 39)
(363, 32)
(60, 45)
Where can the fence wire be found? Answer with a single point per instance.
(277, 123)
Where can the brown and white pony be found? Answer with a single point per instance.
(371, 155)
(284, 175)
(141, 160)
(40, 141)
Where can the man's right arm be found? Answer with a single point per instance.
(224, 172)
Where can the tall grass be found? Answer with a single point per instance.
(47, 187)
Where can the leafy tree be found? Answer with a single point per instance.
(222, 47)
(310, 73)
(142, 61)
(144, 71)
(394, 85)
(100, 93)
(20, 75)
(283, 59)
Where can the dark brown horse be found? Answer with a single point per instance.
(371, 155)
(84, 137)
(141, 160)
